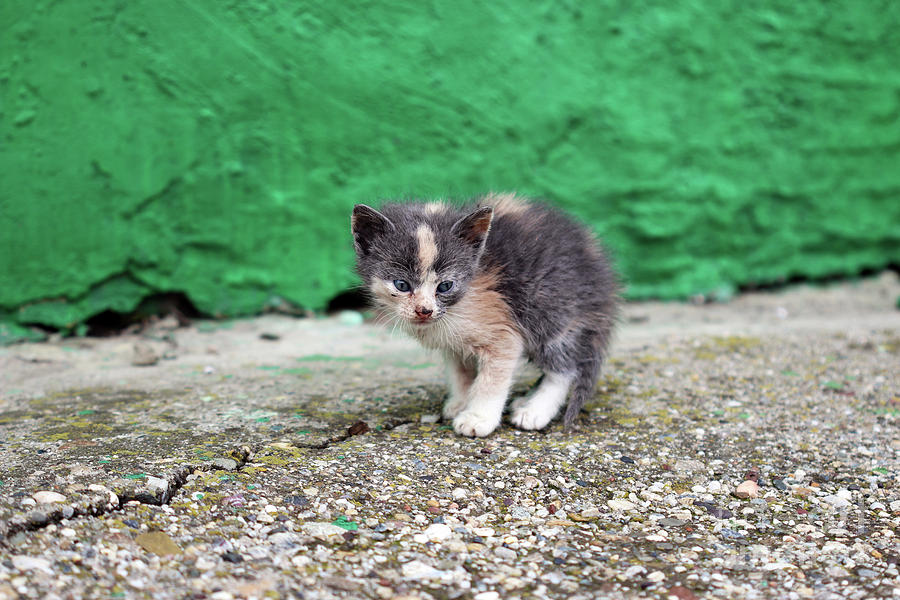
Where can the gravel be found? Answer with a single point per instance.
(725, 464)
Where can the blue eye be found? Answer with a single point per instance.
(402, 286)
(444, 287)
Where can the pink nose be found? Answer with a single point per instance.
(421, 311)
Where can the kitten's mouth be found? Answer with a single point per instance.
(420, 321)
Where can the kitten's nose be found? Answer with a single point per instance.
(423, 312)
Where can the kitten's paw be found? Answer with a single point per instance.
(474, 424)
(453, 407)
(526, 415)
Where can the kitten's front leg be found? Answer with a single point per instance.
(489, 391)
(461, 377)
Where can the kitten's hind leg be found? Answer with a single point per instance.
(536, 410)
(461, 377)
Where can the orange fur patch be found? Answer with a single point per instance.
(505, 204)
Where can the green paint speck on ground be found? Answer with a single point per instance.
(343, 523)
(84, 412)
(262, 420)
(881, 470)
(327, 358)
(136, 476)
(834, 385)
(790, 373)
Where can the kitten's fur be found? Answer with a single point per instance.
(526, 281)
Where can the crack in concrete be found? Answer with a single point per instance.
(106, 501)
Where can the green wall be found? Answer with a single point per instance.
(216, 148)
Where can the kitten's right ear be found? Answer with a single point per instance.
(366, 223)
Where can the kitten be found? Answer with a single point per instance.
(487, 284)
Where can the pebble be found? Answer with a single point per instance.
(417, 569)
(620, 504)
(31, 563)
(836, 501)
(656, 576)
(429, 419)
(143, 355)
(317, 529)
(459, 494)
(505, 553)
(747, 489)
(780, 484)
(491, 595)
(590, 512)
(47, 497)
(227, 464)
(157, 542)
(519, 513)
(438, 532)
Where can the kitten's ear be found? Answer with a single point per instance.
(474, 227)
(366, 223)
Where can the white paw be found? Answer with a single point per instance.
(526, 415)
(453, 407)
(475, 424)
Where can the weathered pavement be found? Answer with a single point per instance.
(311, 466)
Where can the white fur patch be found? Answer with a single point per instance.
(538, 409)
(433, 208)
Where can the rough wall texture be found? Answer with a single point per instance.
(217, 147)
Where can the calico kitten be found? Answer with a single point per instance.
(487, 284)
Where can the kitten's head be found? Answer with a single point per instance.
(418, 260)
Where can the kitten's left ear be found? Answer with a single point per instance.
(474, 227)
(366, 223)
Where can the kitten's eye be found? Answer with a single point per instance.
(402, 286)
(444, 287)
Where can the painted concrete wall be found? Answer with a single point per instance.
(217, 147)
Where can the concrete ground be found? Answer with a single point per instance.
(739, 450)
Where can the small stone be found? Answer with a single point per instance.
(226, 464)
(269, 337)
(620, 504)
(836, 501)
(429, 419)
(418, 570)
(157, 542)
(591, 512)
(627, 460)
(323, 530)
(779, 484)
(232, 557)
(438, 532)
(634, 571)
(491, 595)
(358, 428)
(670, 522)
(532, 482)
(483, 531)
(682, 593)
(747, 489)
(656, 576)
(67, 532)
(144, 356)
(46, 497)
(504, 553)
(31, 563)
(519, 513)
(459, 494)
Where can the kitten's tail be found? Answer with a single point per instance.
(586, 378)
